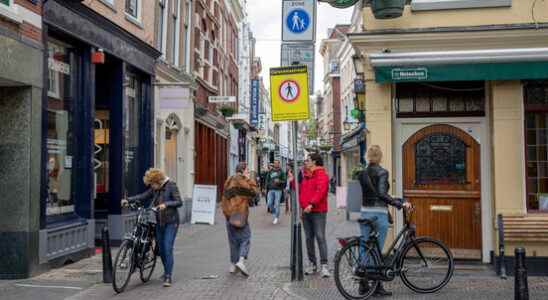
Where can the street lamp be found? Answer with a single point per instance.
(357, 60)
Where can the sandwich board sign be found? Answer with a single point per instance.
(289, 93)
(204, 203)
(303, 54)
(298, 20)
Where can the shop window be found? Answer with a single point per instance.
(59, 130)
(440, 159)
(132, 176)
(443, 99)
(536, 140)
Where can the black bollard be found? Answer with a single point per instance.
(521, 289)
(502, 261)
(107, 256)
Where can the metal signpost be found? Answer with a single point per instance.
(290, 102)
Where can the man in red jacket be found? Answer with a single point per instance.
(313, 201)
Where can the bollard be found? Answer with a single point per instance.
(521, 289)
(502, 261)
(107, 257)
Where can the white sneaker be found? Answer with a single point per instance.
(325, 271)
(241, 266)
(310, 269)
(275, 221)
(232, 268)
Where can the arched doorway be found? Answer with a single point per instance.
(172, 128)
(441, 177)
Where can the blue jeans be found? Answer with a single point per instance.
(239, 240)
(274, 197)
(165, 237)
(382, 229)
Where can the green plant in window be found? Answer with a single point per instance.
(227, 110)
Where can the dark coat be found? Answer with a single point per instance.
(169, 195)
(379, 181)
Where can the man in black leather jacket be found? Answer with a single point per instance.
(375, 186)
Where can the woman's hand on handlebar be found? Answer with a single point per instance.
(408, 206)
(161, 206)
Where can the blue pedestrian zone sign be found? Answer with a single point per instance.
(298, 21)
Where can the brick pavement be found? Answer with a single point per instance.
(202, 250)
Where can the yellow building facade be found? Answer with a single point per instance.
(457, 98)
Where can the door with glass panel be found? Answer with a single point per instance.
(442, 179)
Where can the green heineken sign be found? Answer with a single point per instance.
(340, 3)
(409, 74)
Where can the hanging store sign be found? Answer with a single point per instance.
(254, 115)
(298, 20)
(340, 3)
(222, 99)
(289, 93)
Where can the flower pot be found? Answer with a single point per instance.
(200, 111)
(387, 9)
(238, 125)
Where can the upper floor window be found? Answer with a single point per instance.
(175, 39)
(418, 5)
(162, 28)
(133, 8)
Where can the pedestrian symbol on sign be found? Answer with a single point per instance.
(298, 21)
(289, 90)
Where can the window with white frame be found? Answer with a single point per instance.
(133, 8)
(188, 13)
(418, 5)
(176, 32)
(162, 26)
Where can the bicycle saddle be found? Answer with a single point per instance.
(370, 221)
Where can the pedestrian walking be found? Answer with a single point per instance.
(238, 190)
(275, 182)
(164, 195)
(313, 191)
(375, 186)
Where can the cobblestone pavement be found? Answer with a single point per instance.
(202, 250)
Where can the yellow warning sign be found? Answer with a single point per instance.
(289, 93)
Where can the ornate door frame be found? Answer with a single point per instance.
(478, 128)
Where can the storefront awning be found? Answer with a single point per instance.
(495, 64)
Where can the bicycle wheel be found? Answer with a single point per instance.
(123, 266)
(427, 265)
(149, 262)
(350, 273)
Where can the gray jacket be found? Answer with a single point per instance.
(169, 195)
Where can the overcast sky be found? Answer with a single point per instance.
(265, 18)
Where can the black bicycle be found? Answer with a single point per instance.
(425, 265)
(137, 251)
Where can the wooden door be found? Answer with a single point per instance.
(442, 179)
(171, 154)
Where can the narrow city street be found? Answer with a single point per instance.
(201, 271)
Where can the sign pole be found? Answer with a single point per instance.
(297, 248)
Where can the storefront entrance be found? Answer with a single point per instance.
(441, 177)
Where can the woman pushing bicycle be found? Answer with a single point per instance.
(164, 195)
(375, 186)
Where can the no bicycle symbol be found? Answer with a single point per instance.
(289, 90)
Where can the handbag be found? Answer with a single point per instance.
(238, 220)
(371, 187)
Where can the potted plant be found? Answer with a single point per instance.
(356, 171)
(238, 125)
(387, 9)
(200, 110)
(227, 110)
(326, 147)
